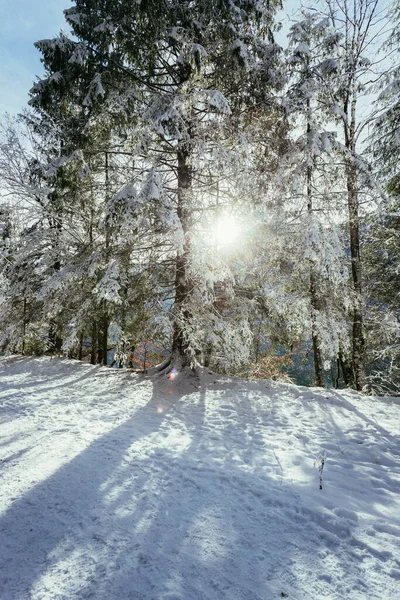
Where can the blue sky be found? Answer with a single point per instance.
(23, 22)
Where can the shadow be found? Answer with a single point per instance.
(45, 366)
(361, 466)
(70, 504)
(183, 500)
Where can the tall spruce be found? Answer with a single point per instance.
(163, 68)
(358, 25)
(309, 252)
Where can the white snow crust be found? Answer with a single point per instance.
(118, 486)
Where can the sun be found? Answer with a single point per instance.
(226, 230)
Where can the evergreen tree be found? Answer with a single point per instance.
(357, 28)
(312, 163)
(382, 237)
(164, 69)
(385, 142)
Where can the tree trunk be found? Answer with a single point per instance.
(319, 380)
(358, 373)
(94, 344)
(358, 376)
(207, 355)
(347, 370)
(105, 321)
(104, 341)
(24, 327)
(80, 347)
(55, 222)
(182, 315)
(99, 353)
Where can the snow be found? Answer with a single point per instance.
(218, 101)
(121, 486)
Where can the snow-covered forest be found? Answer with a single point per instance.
(192, 184)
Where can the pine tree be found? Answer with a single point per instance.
(385, 140)
(381, 248)
(164, 69)
(306, 284)
(382, 237)
(29, 190)
(357, 31)
(311, 65)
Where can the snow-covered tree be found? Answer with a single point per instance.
(381, 243)
(160, 72)
(385, 141)
(312, 171)
(359, 25)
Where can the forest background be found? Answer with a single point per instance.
(190, 180)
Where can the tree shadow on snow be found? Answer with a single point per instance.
(162, 507)
(28, 366)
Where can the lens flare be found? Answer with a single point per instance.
(172, 374)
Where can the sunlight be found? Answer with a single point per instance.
(226, 230)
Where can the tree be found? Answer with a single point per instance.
(385, 139)
(28, 191)
(164, 69)
(312, 41)
(305, 281)
(381, 248)
(358, 25)
(382, 236)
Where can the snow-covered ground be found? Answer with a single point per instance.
(121, 487)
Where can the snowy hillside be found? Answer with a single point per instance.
(113, 487)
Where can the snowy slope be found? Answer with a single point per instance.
(118, 487)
